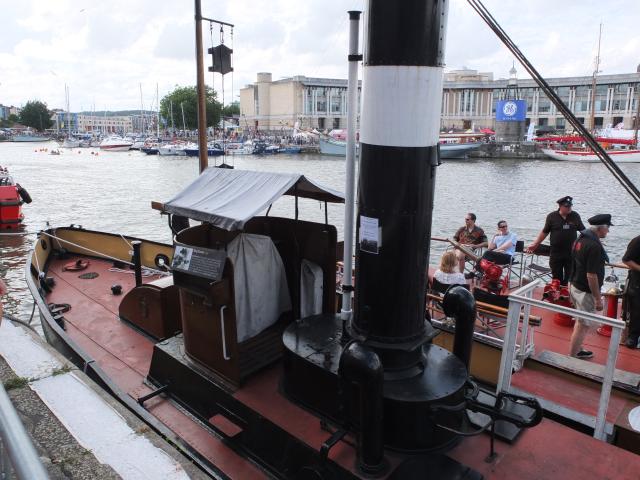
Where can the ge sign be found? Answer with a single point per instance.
(510, 109)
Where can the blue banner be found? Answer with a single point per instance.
(511, 111)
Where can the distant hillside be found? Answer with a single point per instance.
(120, 113)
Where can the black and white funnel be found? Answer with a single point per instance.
(400, 122)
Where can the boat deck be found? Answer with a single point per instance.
(545, 451)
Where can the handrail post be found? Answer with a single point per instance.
(23, 455)
(525, 328)
(508, 347)
(607, 383)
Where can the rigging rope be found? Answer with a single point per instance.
(553, 96)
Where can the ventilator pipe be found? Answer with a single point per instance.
(137, 265)
(459, 303)
(350, 164)
(361, 367)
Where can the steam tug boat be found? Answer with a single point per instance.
(228, 343)
(12, 197)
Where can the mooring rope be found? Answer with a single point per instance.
(100, 254)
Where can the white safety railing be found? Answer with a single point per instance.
(17, 454)
(522, 298)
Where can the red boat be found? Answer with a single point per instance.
(12, 196)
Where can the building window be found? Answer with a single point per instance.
(321, 122)
(336, 123)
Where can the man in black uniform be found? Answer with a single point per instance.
(631, 259)
(564, 225)
(588, 258)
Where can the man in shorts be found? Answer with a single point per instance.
(470, 236)
(588, 258)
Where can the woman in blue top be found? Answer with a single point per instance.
(504, 240)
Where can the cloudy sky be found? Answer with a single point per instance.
(107, 52)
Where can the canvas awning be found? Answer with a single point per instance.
(228, 198)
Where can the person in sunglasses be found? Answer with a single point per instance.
(504, 240)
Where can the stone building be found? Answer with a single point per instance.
(319, 103)
(469, 99)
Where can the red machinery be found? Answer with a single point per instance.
(12, 196)
(491, 277)
(558, 294)
(611, 297)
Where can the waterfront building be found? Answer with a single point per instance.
(6, 111)
(81, 122)
(319, 103)
(469, 99)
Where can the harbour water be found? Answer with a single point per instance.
(112, 191)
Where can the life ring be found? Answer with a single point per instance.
(76, 266)
(24, 195)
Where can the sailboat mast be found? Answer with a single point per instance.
(158, 112)
(173, 127)
(593, 84)
(141, 108)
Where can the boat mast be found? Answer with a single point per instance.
(173, 127)
(202, 106)
(158, 112)
(141, 109)
(593, 84)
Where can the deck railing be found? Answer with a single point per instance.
(18, 456)
(522, 298)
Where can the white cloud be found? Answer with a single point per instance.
(106, 50)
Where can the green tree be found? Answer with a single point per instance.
(231, 110)
(35, 114)
(187, 98)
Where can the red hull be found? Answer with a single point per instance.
(10, 207)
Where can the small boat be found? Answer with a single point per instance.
(587, 155)
(290, 150)
(457, 150)
(29, 137)
(262, 148)
(331, 146)
(12, 197)
(177, 149)
(70, 142)
(239, 148)
(213, 150)
(116, 144)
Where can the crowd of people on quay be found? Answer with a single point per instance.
(577, 259)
